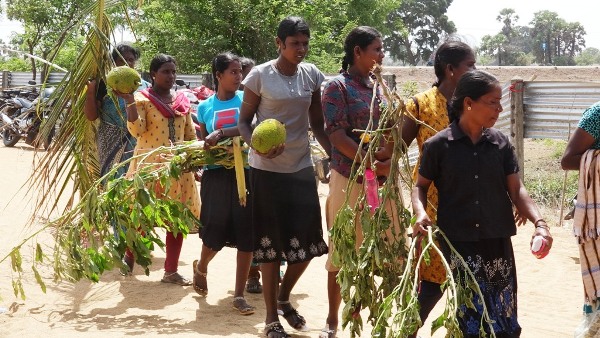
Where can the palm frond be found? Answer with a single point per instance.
(71, 165)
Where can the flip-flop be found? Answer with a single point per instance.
(240, 304)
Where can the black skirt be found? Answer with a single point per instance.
(224, 221)
(492, 262)
(286, 216)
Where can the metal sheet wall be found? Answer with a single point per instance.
(553, 109)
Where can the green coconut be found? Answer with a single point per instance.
(123, 79)
(268, 134)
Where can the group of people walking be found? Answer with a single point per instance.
(466, 180)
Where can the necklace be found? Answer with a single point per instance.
(280, 70)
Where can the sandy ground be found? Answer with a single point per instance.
(550, 291)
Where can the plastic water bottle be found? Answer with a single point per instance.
(371, 187)
(537, 247)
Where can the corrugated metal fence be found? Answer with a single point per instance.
(21, 79)
(551, 109)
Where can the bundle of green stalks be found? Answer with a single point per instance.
(381, 276)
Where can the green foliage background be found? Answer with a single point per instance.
(194, 31)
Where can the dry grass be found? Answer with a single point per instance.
(545, 179)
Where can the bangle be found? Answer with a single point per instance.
(220, 133)
(543, 226)
(130, 104)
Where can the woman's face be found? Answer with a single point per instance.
(485, 110)
(371, 55)
(466, 65)
(129, 60)
(294, 48)
(231, 78)
(165, 76)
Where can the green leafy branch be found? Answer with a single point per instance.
(382, 274)
(85, 243)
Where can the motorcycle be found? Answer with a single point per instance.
(21, 120)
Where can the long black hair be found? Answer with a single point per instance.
(220, 64)
(361, 36)
(449, 53)
(473, 84)
(291, 26)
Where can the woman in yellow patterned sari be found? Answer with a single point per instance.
(452, 59)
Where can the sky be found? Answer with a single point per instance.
(476, 18)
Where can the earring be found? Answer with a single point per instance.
(468, 108)
(451, 74)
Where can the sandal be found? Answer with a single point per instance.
(201, 290)
(275, 330)
(240, 304)
(291, 315)
(175, 278)
(328, 332)
(253, 285)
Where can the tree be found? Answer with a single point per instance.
(416, 28)
(589, 56)
(550, 40)
(14, 64)
(47, 25)
(508, 17)
(494, 46)
(573, 39)
(510, 45)
(195, 31)
(555, 38)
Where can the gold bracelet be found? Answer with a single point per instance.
(130, 104)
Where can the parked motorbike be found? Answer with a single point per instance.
(22, 120)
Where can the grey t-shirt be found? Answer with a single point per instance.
(286, 99)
